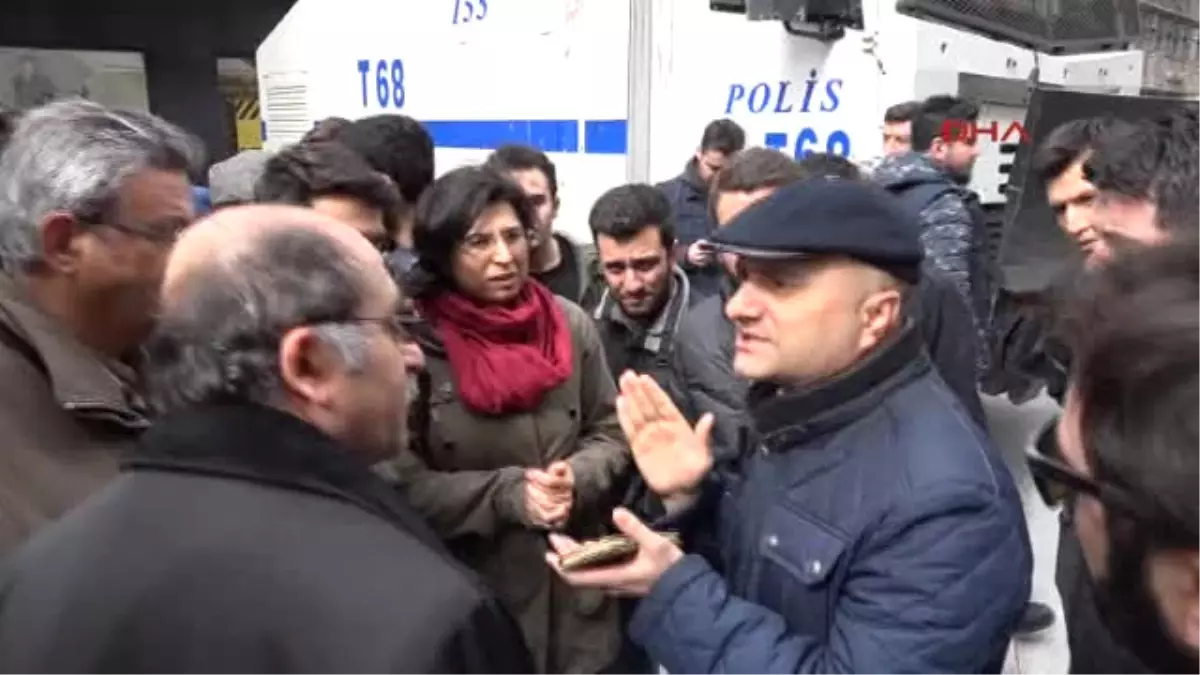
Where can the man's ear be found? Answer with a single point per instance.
(308, 366)
(881, 311)
(62, 247)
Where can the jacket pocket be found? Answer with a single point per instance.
(800, 567)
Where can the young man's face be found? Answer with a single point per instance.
(1073, 200)
(897, 138)
(536, 186)
(637, 271)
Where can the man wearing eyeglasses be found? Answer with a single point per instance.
(92, 202)
(247, 532)
(1123, 459)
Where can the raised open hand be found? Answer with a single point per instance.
(671, 454)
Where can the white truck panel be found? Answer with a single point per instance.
(619, 90)
(478, 73)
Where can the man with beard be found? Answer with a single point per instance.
(1123, 460)
(646, 295)
(688, 196)
(932, 182)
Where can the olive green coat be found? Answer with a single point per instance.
(465, 473)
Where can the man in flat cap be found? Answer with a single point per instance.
(867, 525)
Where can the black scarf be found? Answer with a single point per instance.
(259, 444)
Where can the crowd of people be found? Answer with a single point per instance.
(331, 413)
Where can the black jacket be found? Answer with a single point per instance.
(688, 195)
(241, 539)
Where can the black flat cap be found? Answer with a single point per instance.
(823, 216)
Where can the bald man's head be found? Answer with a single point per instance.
(240, 279)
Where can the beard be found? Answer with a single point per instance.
(1129, 610)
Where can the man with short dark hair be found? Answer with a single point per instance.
(931, 181)
(554, 259)
(897, 127)
(1058, 164)
(688, 195)
(247, 532)
(638, 313)
(91, 201)
(646, 295)
(400, 148)
(1147, 179)
(332, 179)
(703, 358)
(1124, 461)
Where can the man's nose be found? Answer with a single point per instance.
(740, 306)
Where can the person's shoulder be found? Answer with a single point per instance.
(701, 317)
(579, 320)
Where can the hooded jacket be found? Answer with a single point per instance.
(952, 233)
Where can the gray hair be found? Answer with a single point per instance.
(218, 337)
(73, 156)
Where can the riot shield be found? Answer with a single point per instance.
(1033, 250)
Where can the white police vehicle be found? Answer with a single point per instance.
(620, 90)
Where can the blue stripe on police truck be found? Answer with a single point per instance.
(600, 137)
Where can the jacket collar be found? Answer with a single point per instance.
(785, 418)
(657, 337)
(259, 444)
(691, 176)
(83, 382)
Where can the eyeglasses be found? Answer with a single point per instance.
(1057, 483)
(483, 244)
(164, 236)
(397, 326)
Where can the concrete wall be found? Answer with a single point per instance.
(179, 42)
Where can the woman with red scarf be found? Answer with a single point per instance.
(519, 435)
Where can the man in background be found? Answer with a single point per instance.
(400, 148)
(554, 259)
(332, 179)
(931, 181)
(897, 127)
(688, 195)
(91, 201)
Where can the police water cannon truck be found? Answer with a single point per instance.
(620, 90)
